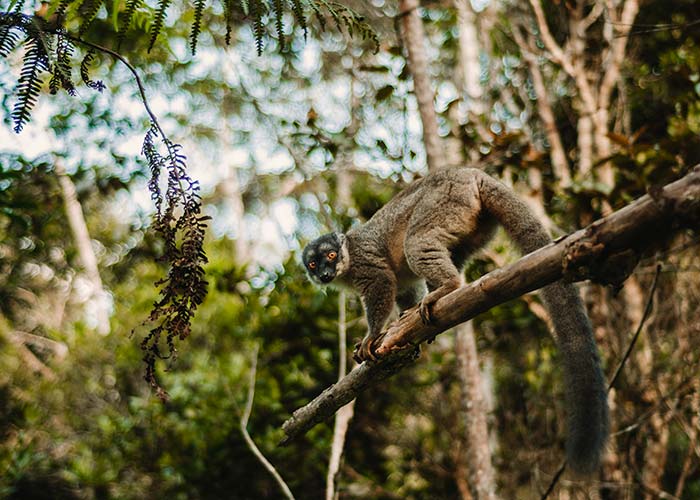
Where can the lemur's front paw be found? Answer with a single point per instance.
(426, 310)
(363, 350)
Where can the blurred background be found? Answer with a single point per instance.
(313, 135)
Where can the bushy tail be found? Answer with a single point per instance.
(586, 400)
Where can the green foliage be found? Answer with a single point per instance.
(36, 62)
(196, 24)
(159, 22)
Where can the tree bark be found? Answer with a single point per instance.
(414, 38)
(592, 251)
(345, 414)
(474, 409)
(81, 237)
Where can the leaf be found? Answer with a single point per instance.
(29, 84)
(196, 24)
(158, 22)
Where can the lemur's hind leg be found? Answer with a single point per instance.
(429, 257)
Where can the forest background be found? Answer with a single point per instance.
(288, 124)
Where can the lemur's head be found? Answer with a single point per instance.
(326, 258)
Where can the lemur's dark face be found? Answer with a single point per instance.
(322, 258)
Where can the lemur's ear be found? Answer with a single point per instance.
(341, 238)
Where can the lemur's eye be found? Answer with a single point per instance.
(332, 255)
(312, 265)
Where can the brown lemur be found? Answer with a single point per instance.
(423, 237)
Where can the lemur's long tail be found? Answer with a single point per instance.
(586, 400)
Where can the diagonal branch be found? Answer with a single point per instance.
(599, 251)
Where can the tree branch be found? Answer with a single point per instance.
(597, 251)
(246, 436)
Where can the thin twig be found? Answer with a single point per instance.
(244, 424)
(122, 59)
(647, 310)
(144, 100)
(554, 481)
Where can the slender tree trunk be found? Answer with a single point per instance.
(473, 406)
(469, 56)
(81, 237)
(474, 410)
(345, 414)
(414, 38)
(557, 154)
(585, 144)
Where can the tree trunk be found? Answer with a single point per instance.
(474, 415)
(414, 39)
(83, 243)
(474, 409)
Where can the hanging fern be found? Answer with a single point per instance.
(36, 62)
(62, 77)
(184, 288)
(62, 8)
(196, 24)
(258, 11)
(279, 26)
(85, 72)
(228, 6)
(126, 17)
(9, 37)
(158, 22)
(299, 15)
(89, 10)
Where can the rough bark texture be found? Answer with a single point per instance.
(599, 250)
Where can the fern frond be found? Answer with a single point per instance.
(126, 18)
(62, 67)
(184, 288)
(9, 38)
(319, 15)
(18, 6)
(85, 72)
(345, 17)
(197, 24)
(279, 25)
(89, 10)
(63, 8)
(228, 5)
(299, 15)
(258, 10)
(35, 63)
(158, 22)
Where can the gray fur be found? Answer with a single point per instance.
(423, 237)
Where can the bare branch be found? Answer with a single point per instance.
(612, 72)
(342, 419)
(592, 251)
(557, 154)
(244, 429)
